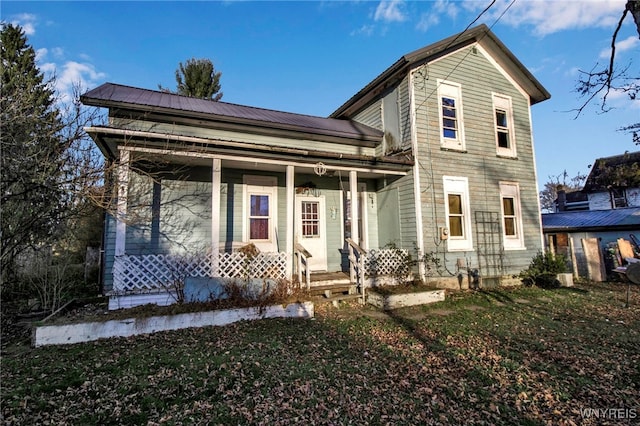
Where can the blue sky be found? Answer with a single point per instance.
(309, 57)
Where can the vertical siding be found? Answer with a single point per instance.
(479, 163)
(403, 234)
(109, 251)
(405, 113)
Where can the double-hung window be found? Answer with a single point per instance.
(511, 216)
(458, 213)
(450, 111)
(503, 121)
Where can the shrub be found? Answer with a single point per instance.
(543, 270)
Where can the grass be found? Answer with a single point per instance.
(507, 356)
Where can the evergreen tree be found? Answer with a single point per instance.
(31, 151)
(198, 79)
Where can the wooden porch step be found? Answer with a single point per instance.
(337, 298)
(329, 290)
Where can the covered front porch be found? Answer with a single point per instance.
(182, 214)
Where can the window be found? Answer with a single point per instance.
(259, 217)
(457, 210)
(503, 115)
(310, 219)
(511, 216)
(450, 109)
(618, 198)
(260, 221)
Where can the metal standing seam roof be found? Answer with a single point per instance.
(115, 95)
(591, 219)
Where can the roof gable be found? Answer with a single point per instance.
(615, 171)
(481, 35)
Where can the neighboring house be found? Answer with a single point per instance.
(606, 208)
(437, 152)
(565, 231)
(614, 182)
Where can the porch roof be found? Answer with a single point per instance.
(230, 116)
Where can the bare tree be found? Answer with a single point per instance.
(602, 81)
(549, 193)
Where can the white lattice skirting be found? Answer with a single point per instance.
(386, 262)
(134, 273)
(151, 272)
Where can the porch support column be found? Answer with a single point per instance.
(355, 214)
(123, 193)
(216, 180)
(289, 245)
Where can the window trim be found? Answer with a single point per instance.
(504, 103)
(458, 185)
(512, 190)
(451, 90)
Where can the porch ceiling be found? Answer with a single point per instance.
(257, 164)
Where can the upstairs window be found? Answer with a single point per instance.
(503, 121)
(450, 111)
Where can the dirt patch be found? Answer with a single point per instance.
(441, 312)
(474, 308)
(522, 301)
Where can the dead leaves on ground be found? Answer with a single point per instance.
(541, 362)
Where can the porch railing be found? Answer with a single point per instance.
(149, 272)
(302, 264)
(356, 265)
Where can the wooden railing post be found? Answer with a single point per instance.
(303, 258)
(356, 265)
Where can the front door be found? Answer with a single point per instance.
(311, 231)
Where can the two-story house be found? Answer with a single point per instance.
(434, 156)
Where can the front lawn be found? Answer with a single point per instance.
(520, 356)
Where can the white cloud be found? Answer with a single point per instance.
(41, 54)
(427, 20)
(365, 30)
(547, 17)
(621, 46)
(72, 75)
(27, 21)
(390, 11)
(432, 18)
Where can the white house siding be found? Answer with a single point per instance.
(602, 200)
(479, 162)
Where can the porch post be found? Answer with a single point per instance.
(123, 192)
(355, 214)
(290, 188)
(216, 180)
